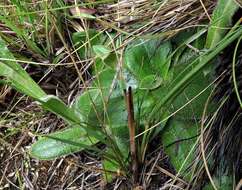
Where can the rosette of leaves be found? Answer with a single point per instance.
(99, 114)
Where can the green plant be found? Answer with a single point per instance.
(100, 116)
(163, 79)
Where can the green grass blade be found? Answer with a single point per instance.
(234, 72)
(221, 20)
(16, 75)
(22, 34)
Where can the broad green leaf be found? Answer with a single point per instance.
(200, 88)
(101, 51)
(180, 131)
(144, 58)
(105, 81)
(55, 105)
(62, 143)
(111, 113)
(102, 113)
(84, 103)
(179, 137)
(159, 53)
(150, 82)
(197, 65)
(109, 62)
(221, 20)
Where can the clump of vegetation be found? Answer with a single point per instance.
(139, 79)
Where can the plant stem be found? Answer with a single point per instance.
(131, 126)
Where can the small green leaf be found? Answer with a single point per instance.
(145, 58)
(110, 167)
(84, 15)
(111, 114)
(150, 82)
(84, 103)
(85, 40)
(61, 143)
